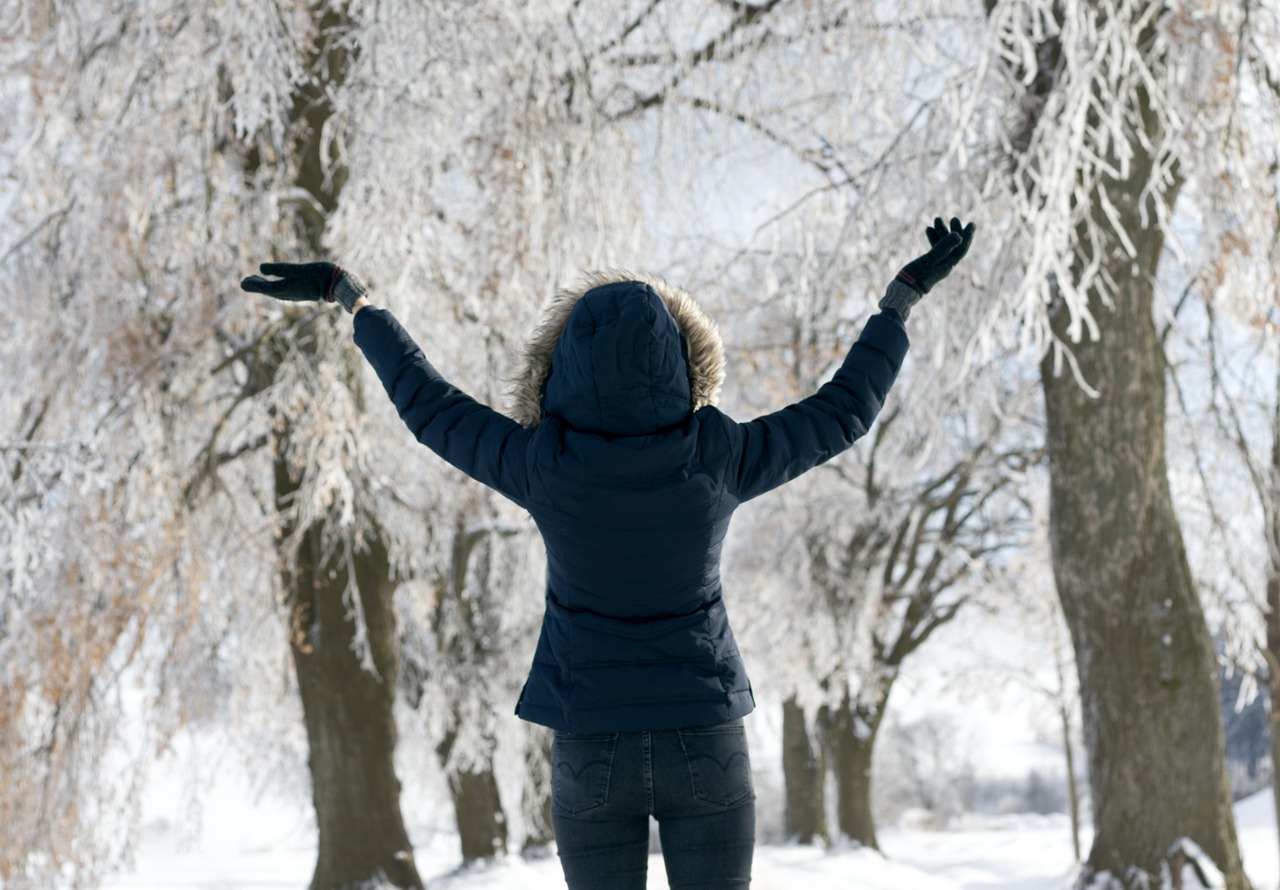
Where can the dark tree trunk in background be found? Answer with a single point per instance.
(1144, 655)
(1147, 668)
(1148, 674)
(804, 775)
(539, 832)
(923, 556)
(464, 623)
(348, 710)
(482, 823)
(850, 737)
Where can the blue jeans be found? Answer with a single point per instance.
(696, 782)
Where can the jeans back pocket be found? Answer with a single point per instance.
(719, 765)
(581, 764)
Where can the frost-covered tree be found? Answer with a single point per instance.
(885, 545)
(929, 563)
(476, 605)
(1113, 112)
(882, 547)
(181, 140)
(182, 461)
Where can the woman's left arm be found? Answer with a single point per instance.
(774, 449)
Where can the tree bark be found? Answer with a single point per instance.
(851, 731)
(1146, 664)
(482, 823)
(1143, 652)
(804, 775)
(348, 710)
(462, 624)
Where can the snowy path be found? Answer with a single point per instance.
(1029, 857)
(1017, 853)
(920, 861)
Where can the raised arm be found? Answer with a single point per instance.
(482, 443)
(776, 448)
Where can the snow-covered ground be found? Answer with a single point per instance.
(268, 846)
(233, 839)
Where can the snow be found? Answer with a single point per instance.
(1034, 857)
(1211, 874)
(234, 836)
(250, 844)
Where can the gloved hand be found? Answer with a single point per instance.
(303, 282)
(921, 274)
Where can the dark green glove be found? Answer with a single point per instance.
(307, 282)
(948, 248)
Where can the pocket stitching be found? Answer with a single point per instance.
(599, 797)
(697, 785)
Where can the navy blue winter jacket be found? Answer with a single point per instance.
(632, 491)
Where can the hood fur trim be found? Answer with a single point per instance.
(705, 349)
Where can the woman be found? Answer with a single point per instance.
(631, 474)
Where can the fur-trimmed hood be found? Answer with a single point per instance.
(620, 354)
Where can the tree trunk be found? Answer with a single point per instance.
(482, 823)
(804, 774)
(850, 740)
(462, 624)
(481, 820)
(347, 709)
(539, 833)
(1148, 678)
(1273, 605)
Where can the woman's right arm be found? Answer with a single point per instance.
(473, 437)
(489, 447)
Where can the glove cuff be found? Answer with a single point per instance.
(347, 288)
(900, 297)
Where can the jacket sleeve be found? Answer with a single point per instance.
(773, 449)
(489, 447)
